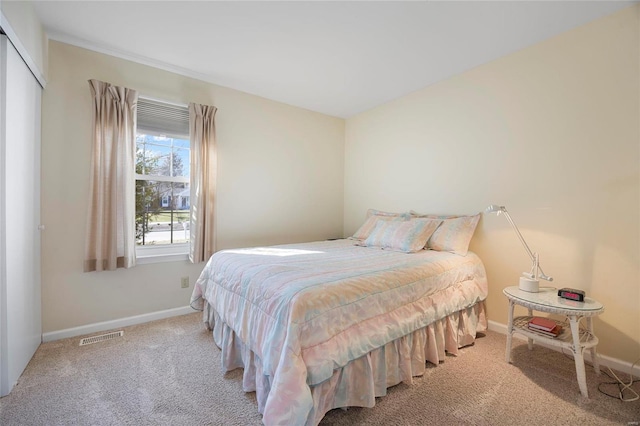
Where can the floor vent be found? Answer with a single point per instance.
(101, 338)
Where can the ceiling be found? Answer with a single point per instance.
(337, 58)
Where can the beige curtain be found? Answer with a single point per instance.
(111, 225)
(203, 181)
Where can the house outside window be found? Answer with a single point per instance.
(162, 179)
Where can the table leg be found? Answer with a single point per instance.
(577, 355)
(530, 340)
(509, 331)
(594, 356)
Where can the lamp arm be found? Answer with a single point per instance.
(543, 275)
(524, 243)
(535, 267)
(534, 256)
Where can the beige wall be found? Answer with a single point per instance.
(24, 21)
(553, 133)
(280, 180)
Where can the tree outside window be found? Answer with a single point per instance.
(162, 190)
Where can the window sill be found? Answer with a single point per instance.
(162, 253)
(161, 258)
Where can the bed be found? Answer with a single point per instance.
(330, 324)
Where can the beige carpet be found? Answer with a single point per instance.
(168, 373)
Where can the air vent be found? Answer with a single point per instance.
(101, 338)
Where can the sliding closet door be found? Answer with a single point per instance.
(20, 307)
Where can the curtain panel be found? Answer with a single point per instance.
(203, 181)
(110, 240)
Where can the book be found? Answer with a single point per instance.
(544, 324)
(537, 327)
(555, 332)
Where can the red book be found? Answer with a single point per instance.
(541, 323)
(553, 333)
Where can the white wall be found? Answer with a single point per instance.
(280, 180)
(553, 133)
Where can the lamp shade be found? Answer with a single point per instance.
(494, 208)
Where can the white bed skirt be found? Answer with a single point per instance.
(358, 383)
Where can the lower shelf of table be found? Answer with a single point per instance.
(564, 339)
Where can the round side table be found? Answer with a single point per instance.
(574, 339)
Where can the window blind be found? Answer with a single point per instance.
(161, 118)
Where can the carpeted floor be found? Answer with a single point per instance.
(167, 372)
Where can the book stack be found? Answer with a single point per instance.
(545, 326)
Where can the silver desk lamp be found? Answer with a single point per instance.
(529, 281)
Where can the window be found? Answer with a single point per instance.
(162, 179)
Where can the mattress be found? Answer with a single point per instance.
(298, 313)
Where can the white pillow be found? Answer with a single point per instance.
(454, 235)
(407, 236)
(372, 218)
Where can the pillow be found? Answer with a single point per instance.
(374, 212)
(414, 213)
(363, 232)
(454, 234)
(407, 236)
(372, 217)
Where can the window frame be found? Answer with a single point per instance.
(163, 252)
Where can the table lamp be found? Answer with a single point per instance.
(529, 281)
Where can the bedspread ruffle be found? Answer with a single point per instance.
(359, 382)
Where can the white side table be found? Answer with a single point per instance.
(575, 339)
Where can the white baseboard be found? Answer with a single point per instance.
(606, 361)
(110, 325)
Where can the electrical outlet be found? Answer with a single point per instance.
(184, 282)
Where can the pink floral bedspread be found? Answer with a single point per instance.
(307, 309)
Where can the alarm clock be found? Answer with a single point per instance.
(571, 294)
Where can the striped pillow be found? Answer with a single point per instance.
(374, 212)
(454, 235)
(415, 214)
(407, 236)
(372, 218)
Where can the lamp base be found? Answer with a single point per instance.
(527, 284)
